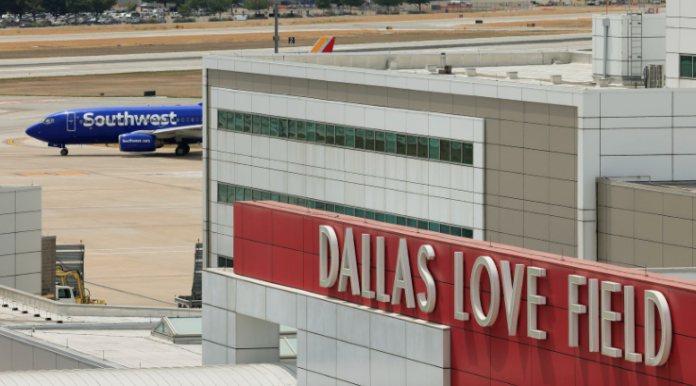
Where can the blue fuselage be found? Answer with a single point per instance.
(106, 124)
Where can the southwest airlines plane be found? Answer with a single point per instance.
(135, 129)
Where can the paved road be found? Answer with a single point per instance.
(445, 24)
(138, 215)
(25, 68)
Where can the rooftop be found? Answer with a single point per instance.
(573, 75)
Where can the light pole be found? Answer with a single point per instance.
(275, 16)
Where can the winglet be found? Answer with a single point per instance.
(324, 45)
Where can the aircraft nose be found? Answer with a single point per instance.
(34, 131)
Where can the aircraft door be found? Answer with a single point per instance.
(71, 122)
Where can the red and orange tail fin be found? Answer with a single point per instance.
(324, 45)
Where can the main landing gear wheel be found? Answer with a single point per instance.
(183, 149)
(63, 152)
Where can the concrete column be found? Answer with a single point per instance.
(251, 340)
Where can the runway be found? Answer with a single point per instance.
(178, 61)
(139, 215)
(443, 24)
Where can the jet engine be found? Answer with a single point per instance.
(138, 142)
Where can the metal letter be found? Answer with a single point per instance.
(593, 292)
(512, 294)
(428, 300)
(609, 316)
(402, 277)
(349, 266)
(653, 300)
(327, 273)
(381, 296)
(574, 309)
(630, 326)
(534, 300)
(481, 318)
(459, 313)
(365, 258)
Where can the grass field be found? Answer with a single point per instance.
(170, 83)
(93, 47)
(299, 21)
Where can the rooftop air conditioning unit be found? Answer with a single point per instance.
(654, 76)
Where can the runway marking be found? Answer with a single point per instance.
(34, 68)
(30, 101)
(51, 174)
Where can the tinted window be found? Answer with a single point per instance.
(359, 138)
(330, 135)
(379, 141)
(239, 121)
(283, 128)
(265, 126)
(468, 153)
(257, 124)
(301, 133)
(340, 136)
(444, 150)
(311, 132)
(456, 152)
(292, 129)
(401, 144)
(321, 133)
(274, 127)
(686, 67)
(434, 149)
(369, 140)
(422, 147)
(350, 137)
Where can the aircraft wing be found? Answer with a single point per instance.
(193, 131)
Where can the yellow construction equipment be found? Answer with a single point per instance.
(67, 294)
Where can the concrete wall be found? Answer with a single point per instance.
(338, 343)
(681, 39)
(22, 298)
(18, 353)
(629, 52)
(20, 238)
(642, 225)
(380, 61)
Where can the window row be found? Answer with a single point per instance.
(225, 262)
(228, 194)
(350, 137)
(686, 66)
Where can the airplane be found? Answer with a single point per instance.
(324, 45)
(134, 129)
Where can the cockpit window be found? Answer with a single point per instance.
(48, 121)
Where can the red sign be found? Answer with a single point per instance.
(517, 316)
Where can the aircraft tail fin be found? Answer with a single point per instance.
(324, 45)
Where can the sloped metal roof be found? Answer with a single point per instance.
(229, 375)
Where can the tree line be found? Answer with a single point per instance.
(54, 7)
(185, 7)
(328, 4)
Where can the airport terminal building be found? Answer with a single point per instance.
(504, 160)
(378, 203)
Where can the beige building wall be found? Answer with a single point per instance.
(642, 225)
(531, 152)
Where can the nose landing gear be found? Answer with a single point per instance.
(182, 149)
(64, 151)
